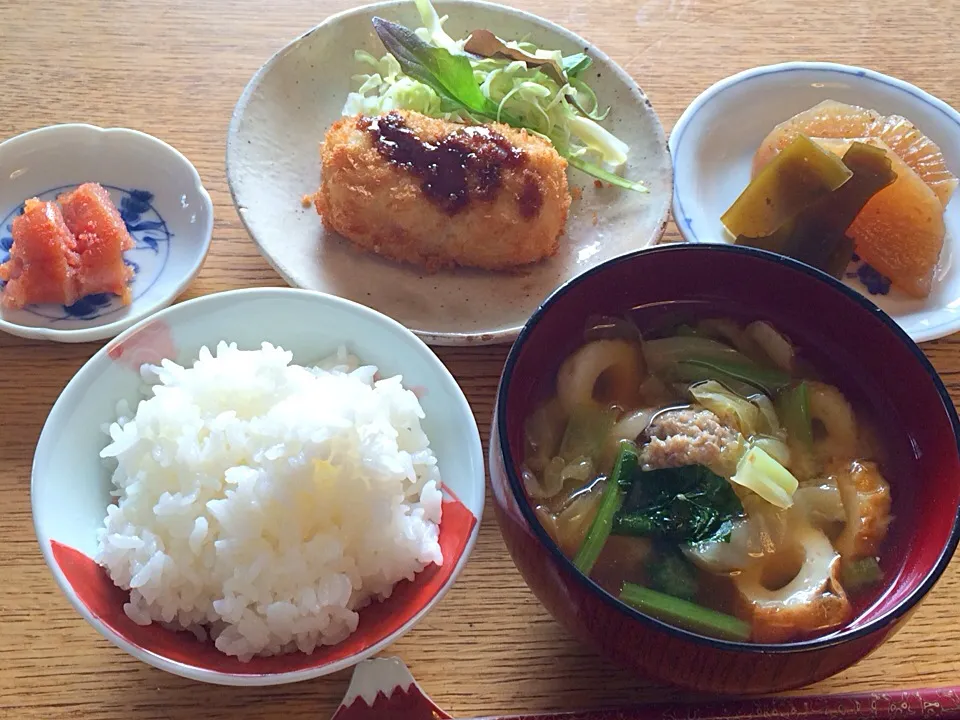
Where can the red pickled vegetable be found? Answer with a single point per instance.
(43, 259)
(101, 239)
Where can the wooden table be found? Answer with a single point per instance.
(175, 68)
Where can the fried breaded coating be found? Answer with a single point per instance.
(437, 194)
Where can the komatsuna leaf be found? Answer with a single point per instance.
(685, 505)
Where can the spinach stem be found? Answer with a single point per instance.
(596, 537)
(859, 574)
(684, 614)
(794, 410)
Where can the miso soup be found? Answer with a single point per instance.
(705, 475)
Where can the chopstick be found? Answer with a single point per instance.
(943, 702)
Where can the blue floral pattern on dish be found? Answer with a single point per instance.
(147, 258)
(868, 276)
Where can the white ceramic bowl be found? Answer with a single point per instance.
(159, 194)
(714, 141)
(273, 161)
(70, 488)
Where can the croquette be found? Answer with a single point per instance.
(439, 194)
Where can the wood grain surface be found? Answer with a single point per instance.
(175, 68)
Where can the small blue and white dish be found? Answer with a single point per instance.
(159, 195)
(714, 141)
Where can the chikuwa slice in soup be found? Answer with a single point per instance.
(706, 477)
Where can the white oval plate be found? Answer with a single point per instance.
(159, 195)
(715, 139)
(273, 161)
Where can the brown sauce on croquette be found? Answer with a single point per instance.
(530, 198)
(464, 165)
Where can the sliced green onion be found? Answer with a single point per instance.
(604, 175)
(582, 88)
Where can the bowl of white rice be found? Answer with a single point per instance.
(258, 486)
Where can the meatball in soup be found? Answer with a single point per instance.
(708, 477)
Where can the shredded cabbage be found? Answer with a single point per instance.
(525, 93)
(728, 406)
(433, 31)
(386, 89)
(760, 472)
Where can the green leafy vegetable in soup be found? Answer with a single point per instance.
(713, 484)
(687, 504)
(610, 501)
(671, 574)
(685, 614)
(862, 573)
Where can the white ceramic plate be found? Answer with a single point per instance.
(273, 160)
(715, 139)
(70, 486)
(160, 197)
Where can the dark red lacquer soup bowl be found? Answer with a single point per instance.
(853, 345)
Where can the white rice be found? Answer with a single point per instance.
(265, 502)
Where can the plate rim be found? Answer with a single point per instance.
(431, 337)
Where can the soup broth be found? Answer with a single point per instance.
(705, 473)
